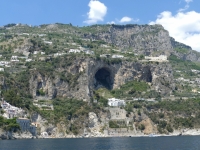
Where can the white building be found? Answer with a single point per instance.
(117, 56)
(74, 51)
(116, 102)
(35, 52)
(161, 58)
(11, 111)
(195, 71)
(14, 59)
(28, 60)
(41, 35)
(183, 79)
(4, 62)
(48, 42)
(88, 52)
(2, 69)
(25, 34)
(58, 54)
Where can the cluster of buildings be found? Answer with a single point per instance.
(48, 42)
(195, 71)
(113, 56)
(161, 58)
(14, 59)
(183, 79)
(86, 51)
(58, 54)
(116, 102)
(5, 63)
(11, 111)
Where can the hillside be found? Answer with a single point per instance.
(62, 76)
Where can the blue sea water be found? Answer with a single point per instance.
(128, 143)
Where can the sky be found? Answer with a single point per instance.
(180, 17)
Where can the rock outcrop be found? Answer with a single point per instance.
(160, 76)
(142, 39)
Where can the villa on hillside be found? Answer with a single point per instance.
(161, 58)
(74, 51)
(116, 102)
(11, 111)
(117, 56)
(14, 59)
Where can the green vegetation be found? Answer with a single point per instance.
(181, 50)
(184, 66)
(113, 124)
(66, 110)
(167, 115)
(138, 89)
(9, 124)
(182, 113)
(141, 127)
(117, 124)
(100, 99)
(134, 89)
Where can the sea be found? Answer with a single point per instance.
(121, 143)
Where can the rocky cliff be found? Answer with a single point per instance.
(142, 39)
(93, 74)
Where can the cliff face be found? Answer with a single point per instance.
(142, 39)
(74, 84)
(94, 74)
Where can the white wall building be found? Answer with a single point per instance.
(160, 58)
(42, 53)
(74, 51)
(116, 102)
(58, 54)
(88, 52)
(14, 59)
(48, 42)
(4, 62)
(11, 111)
(35, 52)
(117, 56)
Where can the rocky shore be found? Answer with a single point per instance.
(28, 135)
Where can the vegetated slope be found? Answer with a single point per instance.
(54, 73)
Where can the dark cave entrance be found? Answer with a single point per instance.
(103, 79)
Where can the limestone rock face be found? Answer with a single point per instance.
(160, 76)
(93, 120)
(142, 39)
(94, 126)
(98, 73)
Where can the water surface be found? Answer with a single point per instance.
(128, 143)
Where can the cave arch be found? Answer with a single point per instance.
(103, 78)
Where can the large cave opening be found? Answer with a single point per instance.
(103, 79)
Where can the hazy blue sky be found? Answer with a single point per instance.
(180, 17)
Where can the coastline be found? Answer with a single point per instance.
(186, 132)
